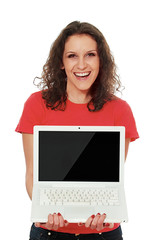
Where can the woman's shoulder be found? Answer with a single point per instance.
(35, 101)
(119, 106)
(33, 113)
(118, 102)
(35, 98)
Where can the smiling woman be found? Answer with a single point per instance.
(79, 45)
(79, 82)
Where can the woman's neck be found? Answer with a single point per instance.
(80, 98)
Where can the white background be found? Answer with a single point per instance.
(28, 28)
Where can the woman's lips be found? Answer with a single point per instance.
(82, 75)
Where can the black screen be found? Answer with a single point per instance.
(79, 156)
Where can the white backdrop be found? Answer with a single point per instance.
(27, 30)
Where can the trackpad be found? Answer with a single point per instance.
(78, 213)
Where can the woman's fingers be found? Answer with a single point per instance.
(61, 220)
(54, 222)
(108, 225)
(58, 221)
(100, 222)
(97, 222)
(80, 224)
(37, 224)
(89, 221)
(94, 223)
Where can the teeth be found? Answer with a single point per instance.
(82, 74)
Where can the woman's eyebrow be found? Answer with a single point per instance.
(69, 52)
(93, 50)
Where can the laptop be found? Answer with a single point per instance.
(78, 172)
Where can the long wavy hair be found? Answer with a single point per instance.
(53, 80)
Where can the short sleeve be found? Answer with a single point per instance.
(124, 117)
(32, 114)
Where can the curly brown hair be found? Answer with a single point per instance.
(53, 79)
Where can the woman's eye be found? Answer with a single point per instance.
(71, 55)
(91, 54)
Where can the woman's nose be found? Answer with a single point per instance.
(81, 63)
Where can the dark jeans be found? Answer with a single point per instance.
(43, 234)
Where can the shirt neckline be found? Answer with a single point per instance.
(77, 104)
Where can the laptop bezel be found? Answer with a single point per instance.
(39, 128)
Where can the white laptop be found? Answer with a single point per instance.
(78, 172)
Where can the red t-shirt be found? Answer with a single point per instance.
(114, 113)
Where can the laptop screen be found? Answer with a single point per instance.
(79, 156)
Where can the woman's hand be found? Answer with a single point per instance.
(55, 221)
(97, 222)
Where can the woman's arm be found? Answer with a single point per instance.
(127, 141)
(28, 151)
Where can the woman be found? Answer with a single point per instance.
(79, 83)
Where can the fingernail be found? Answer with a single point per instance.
(107, 224)
(98, 213)
(65, 221)
(59, 214)
(93, 216)
(80, 224)
(104, 214)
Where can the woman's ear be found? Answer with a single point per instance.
(62, 66)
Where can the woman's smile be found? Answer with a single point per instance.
(82, 76)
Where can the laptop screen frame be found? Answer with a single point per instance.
(39, 128)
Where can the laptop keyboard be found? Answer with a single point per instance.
(89, 197)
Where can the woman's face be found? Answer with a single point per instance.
(81, 62)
